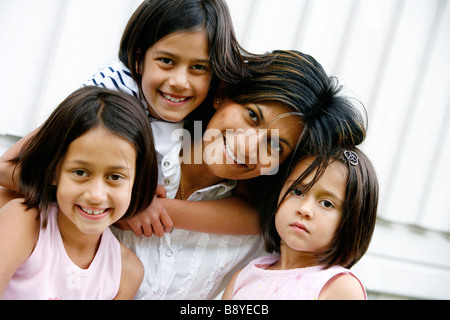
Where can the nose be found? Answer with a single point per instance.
(246, 146)
(96, 191)
(305, 208)
(179, 79)
(253, 145)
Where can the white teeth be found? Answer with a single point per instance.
(172, 99)
(93, 212)
(231, 154)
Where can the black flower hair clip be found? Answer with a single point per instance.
(351, 157)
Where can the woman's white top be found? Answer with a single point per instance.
(185, 264)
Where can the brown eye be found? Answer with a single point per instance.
(327, 204)
(253, 116)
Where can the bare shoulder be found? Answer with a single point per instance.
(132, 274)
(19, 234)
(229, 290)
(15, 211)
(342, 287)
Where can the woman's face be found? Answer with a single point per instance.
(244, 141)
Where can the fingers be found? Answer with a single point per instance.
(152, 221)
(161, 191)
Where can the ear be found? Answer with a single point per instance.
(56, 174)
(217, 103)
(138, 63)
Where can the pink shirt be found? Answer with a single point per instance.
(50, 274)
(255, 282)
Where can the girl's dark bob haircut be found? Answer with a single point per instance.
(355, 229)
(86, 109)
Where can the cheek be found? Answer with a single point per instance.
(227, 117)
(201, 87)
(280, 221)
(125, 197)
(149, 85)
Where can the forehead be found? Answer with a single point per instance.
(334, 178)
(98, 145)
(191, 43)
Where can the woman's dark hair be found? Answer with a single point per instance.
(329, 118)
(300, 82)
(355, 229)
(86, 109)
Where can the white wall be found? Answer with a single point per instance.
(392, 54)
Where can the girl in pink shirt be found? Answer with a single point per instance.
(319, 226)
(80, 173)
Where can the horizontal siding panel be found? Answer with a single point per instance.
(323, 32)
(273, 26)
(88, 39)
(406, 261)
(413, 161)
(403, 279)
(25, 54)
(394, 111)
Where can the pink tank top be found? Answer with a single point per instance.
(255, 282)
(50, 274)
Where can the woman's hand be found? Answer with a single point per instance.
(152, 221)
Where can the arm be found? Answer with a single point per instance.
(228, 293)
(235, 215)
(132, 274)
(7, 166)
(342, 287)
(19, 233)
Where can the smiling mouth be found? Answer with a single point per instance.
(93, 212)
(174, 99)
(231, 154)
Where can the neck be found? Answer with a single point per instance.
(80, 247)
(292, 259)
(196, 176)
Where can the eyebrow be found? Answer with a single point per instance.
(333, 195)
(175, 56)
(263, 120)
(85, 163)
(260, 112)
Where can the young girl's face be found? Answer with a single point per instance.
(307, 221)
(235, 146)
(94, 181)
(176, 75)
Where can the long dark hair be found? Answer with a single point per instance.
(297, 80)
(83, 110)
(329, 118)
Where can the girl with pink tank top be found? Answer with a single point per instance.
(79, 174)
(319, 227)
